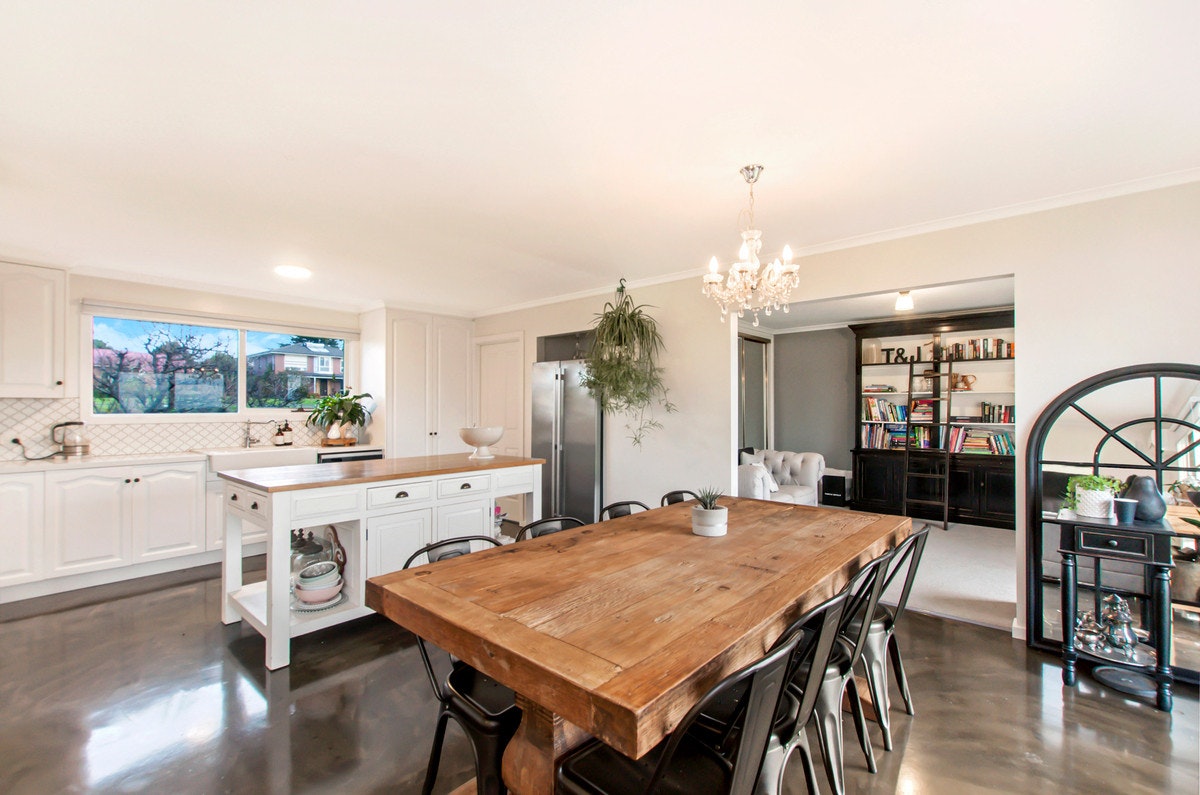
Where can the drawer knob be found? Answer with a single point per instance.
(127, 480)
(233, 498)
(1112, 542)
(400, 495)
(254, 506)
(464, 486)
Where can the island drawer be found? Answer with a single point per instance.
(326, 501)
(249, 504)
(463, 486)
(400, 494)
(514, 480)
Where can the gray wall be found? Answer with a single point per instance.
(814, 394)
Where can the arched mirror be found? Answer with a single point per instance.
(1142, 420)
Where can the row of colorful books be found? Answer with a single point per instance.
(881, 410)
(996, 412)
(883, 437)
(981, 348)
(923, 410)
(981, 441)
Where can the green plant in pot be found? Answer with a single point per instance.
(622, 366)
(1185, 490)
(338, 415)
(1091, 495)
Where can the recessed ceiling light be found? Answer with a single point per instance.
(292, 271)
(904, 301)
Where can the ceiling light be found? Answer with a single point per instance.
(292, 271)
(745, 289)
(904, 301)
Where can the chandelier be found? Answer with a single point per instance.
(746, 289)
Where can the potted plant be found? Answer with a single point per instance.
(1091, 495)
(622, 366)
(338, 415)
(709, 518)
(1185, 490)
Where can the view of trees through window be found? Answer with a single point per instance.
(151, 367)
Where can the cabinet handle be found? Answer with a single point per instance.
(233, 498)
(58, 383)
(127, 480)
(400, 495)
(1112, 542)
(137, 480)
(464, 487)
(254, 506)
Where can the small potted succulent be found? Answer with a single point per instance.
(1091, 495)
(338, 415)
(709, 518)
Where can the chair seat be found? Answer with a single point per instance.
(838, 665)
(482, 695)
(598, 769)
(883, 619)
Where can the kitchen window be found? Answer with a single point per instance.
(148, 367)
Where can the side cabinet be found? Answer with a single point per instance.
(21, 528)
(878, 482)
(32, 331)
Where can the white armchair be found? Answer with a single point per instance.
(798, 476)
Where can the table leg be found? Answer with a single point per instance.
(279, 599)
(1161, 595)
(1068, 618)
(231, 567)
(540, 740)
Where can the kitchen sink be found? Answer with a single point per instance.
(221, 460)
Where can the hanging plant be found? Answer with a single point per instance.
(622, 372)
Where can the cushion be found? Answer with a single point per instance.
(767, 478)
(752, 458)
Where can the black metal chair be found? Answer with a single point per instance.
(672, 497)
(682, 763)
(484, 708)
(881, 639)
(553, 524)
(622, 508)
(862, 595)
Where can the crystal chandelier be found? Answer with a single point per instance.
(745, 289)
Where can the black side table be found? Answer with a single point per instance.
(1148, 543)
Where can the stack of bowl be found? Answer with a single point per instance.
(318, 582)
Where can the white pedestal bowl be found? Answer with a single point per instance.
(480, 439)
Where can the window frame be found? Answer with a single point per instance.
(244, 412)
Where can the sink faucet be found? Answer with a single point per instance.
(251, 439)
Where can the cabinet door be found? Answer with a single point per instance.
(21, 529)
(87, 520)
(878, 479)
(392, 539)
(31, 331)
(997, 496)
(450, 407)
(167, 511)
(408, 430)
(465, 518)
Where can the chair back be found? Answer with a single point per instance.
(764, 681)
(862, 595)
(622, 508)
(433, 553)
(553, 524)
(909, 552)
(672, 497)
(819, 631)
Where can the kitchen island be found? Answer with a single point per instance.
(381, 510)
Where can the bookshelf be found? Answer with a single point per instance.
(935, 432)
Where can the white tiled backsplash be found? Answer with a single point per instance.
(29, 419)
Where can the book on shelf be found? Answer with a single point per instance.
(883, 437)
(878, 388)
(881, 410)
(997, 412)
(981, 441)
(924, 438)
(923, 409)
(980, 348)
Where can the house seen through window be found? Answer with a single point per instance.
(290, 371)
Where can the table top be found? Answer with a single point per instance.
(619, 627)
(345, 473)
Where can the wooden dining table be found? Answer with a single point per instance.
(616, 629)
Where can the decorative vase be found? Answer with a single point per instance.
(1093, 504)
(334, 431)
(710, 522)
(1151, 507)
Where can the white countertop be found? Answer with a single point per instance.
(84, 462)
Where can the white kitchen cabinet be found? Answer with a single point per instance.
(167, 511)
(393, 538)
(426, 390)
(32, 331)
(21, 528)
(107, 517)
(464, 518)
(214, 519)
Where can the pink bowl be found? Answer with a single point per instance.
(317, 595)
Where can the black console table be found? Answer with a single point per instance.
(1148, 543)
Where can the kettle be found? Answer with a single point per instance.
(70, 438)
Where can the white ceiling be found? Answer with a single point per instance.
(472, 155)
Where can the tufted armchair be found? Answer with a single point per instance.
(798, 476)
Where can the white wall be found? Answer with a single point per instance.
(696, 445)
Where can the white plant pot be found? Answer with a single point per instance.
(1093, 504)
(710, 523)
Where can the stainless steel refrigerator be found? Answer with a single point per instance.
(568, 433)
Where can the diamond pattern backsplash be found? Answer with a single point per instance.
(29, 419)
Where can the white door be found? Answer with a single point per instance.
(451, 407)
(21, 528)
(408, 428)
(87, 520)
(466, 518)
(392, 539)
(501, 401)
(32, 343)
(167, 511)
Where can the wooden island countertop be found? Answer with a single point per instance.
(316, 476)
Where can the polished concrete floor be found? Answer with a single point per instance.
(150, 693)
